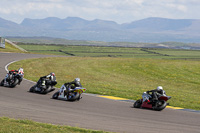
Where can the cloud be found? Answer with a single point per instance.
(116, 10)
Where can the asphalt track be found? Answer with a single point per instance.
(90, 112)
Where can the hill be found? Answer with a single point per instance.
(73, 28)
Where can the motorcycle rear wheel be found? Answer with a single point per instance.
(49, 89)
(160, 105)
(15, 83)
(74, 98)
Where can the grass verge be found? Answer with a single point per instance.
(10, 48)
(8, 125)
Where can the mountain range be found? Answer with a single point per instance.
(74, 28)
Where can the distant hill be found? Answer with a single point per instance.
(73, 28)
(159, 24)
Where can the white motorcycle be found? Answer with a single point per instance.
(74, 94)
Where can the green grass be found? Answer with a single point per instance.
(92, 51)
(123, 77)
(122, 52)
(8, 125)
(178, 53)
(10, 48)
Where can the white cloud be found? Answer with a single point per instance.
(116, 10)
(182, 8)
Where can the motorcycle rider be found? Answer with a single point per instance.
(69, 86)
(50, 77)
(157, 92)
(9, 75)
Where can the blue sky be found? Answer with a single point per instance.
(120, 11)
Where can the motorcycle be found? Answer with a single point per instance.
(146, 102)
(12, 80)
(38, 88)
(74, 94)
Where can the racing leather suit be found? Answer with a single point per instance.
(48, 77)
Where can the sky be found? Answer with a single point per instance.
(120, 11)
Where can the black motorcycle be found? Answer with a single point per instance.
(12, 80)
(48, 87)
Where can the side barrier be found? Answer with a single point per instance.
(6, 40)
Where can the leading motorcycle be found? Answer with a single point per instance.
(147, 102)
(74, 94)
(12, 80)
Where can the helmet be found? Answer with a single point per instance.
(20, 70)
(52, 74)
(159, 88)
(77, 80)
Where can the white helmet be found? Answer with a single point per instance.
(20, 70)
(159, 88)
(77, 80)
(52, 74)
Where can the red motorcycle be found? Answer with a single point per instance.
(147, 102)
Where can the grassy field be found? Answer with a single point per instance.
(123, 77)
(178, 53)
(94, 51)
(8, 125)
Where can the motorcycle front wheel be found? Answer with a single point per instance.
(32, 89)
(55, 95)
(2, 82)
(137, 104)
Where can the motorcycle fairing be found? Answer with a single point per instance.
(79, 90)
(146, 105)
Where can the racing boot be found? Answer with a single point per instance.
(42, 88)
(43, 82)
(5, 83)
(37, 89)
(67, 95)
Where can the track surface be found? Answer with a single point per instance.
(90, 112)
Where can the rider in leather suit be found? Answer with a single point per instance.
(155, 93)
(20, 71)
(50, 77)
(70, 86)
